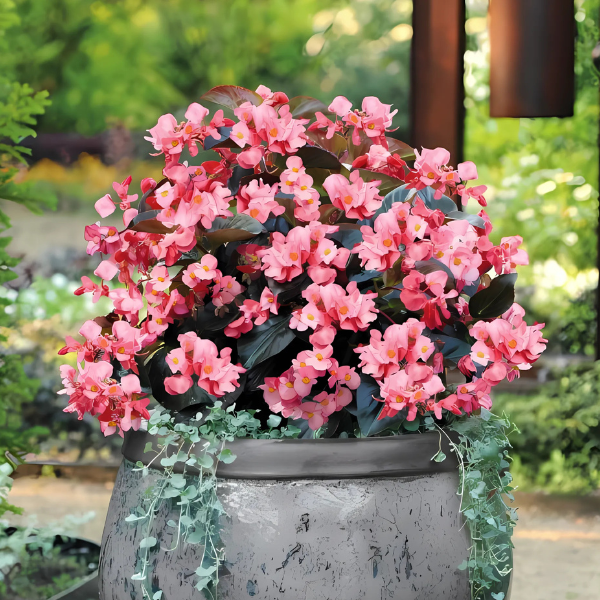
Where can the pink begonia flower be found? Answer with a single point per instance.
(382, 357)
(268, 301)
(411, 387)
(163, 129)
(284, 259)
(122, 190)
(106, 270)
(240, 134)
(313, 413)
(357, 198)
(178, 384)
(507, 255)
(258, 200)
(467, 171)
(160, 278)
(105, 206)
(174, 244)
(322, 122)
(127, 302)
(104, 239)
(379, 249)
(341, 106)
(196, 113)
(345, 376)
(303, 381)
(88, 286)
(225, 291)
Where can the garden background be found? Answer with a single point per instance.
(102, 72)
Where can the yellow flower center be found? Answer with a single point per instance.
(239, 135)
(175, 361)
(94, 388)
(305, 380)
(387, 243)
(289, 384)
(457, 261)
(348, 377)
(273, 132)
(348, 199)
(391, 353)
(208, 369)
(294, 255)
(343, 310)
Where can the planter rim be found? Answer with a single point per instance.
(333, 458)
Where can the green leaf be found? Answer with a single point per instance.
(231, 96)
(148, 447)
(265, 341)
(205, 571)
(336, 145)
(315, 157)
(305, 107)
(274, 421)
(494, 300)
(205, 461)
(148, 542)
(227, 456)
(439, 457)
(387, 183)
(233, 229)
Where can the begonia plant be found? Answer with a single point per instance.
(315, 268)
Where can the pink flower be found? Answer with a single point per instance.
(240, 134)
(313, 413)
(357, 198)
(258, 200)
(379, 249)
(507, 255)
(105, 206)
(87, 286)
(225, 290)
(341, 106)
(411, 387)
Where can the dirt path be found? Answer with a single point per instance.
(557, 555)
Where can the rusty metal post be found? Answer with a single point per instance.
(437, 75)
(596, 59)
(532, 59)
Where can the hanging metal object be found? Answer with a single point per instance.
(532, 63)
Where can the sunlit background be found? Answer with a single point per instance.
(113, 67)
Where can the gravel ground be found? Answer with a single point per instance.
(557, 541)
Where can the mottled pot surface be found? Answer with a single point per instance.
(309, 538)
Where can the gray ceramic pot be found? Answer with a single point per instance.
(326, 519)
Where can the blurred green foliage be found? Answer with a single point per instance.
(19, 105)
(129, 61)
(543, 177)
(558, 447)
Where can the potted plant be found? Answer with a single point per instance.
(320, 325)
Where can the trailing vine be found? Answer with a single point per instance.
(194, 491)
(485, 486)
